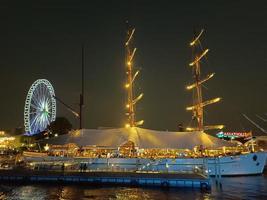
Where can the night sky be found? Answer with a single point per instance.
(43, 39)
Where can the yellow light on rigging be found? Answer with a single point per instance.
(139, 123)
(127, 125)
(189, 129)
(220, 126)
(199, 58)
(138, 98)
(216, 100)
(135, 75)
(189, 87)
(204, 103)
(132, 55)
(190, 108)
(127, 85)
(197, 38)
(208, 102)
(127, 105)
(130, 37)
(211, 75)
(129, 63)
(213, 127)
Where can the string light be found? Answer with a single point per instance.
(197, 38)
(197, 108)
(199, 58)
(131, 76)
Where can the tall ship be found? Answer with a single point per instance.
(132, 148)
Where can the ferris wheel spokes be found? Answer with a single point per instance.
(40, 107)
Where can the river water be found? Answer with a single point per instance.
(250, 187)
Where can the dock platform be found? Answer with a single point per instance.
(109, 178)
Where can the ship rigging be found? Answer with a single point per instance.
(198, 103)
(131, 74)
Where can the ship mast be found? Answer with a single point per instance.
(131, 76)
(81, 104)
(196, 87)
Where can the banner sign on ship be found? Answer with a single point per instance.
(234, 134)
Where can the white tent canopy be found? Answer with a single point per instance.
(143, 138)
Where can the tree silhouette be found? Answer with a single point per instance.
(60, 126)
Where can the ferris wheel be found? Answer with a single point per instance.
(40, 107)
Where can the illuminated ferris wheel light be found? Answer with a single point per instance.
(40, 107)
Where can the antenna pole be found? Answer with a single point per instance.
(82, 92)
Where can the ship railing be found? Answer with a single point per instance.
(152, 166)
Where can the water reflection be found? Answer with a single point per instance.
(254, 187)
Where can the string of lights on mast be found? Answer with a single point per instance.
(196, 87)
(131, 75)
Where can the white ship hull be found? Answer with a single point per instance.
(247, 164)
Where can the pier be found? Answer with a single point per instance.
(109, 178)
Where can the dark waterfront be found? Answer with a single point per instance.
(251, 187)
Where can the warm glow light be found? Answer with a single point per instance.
(200, 82)
(210, 101)
(214, 127)
(135, 75)
(189, 129)
(190, 108)
(132, 56)
(211, 75)
(130, 37)
(131, 76)
(216, 100)
(138, 98)
(204, 103)
(199, 58)
(189, 87)
(139, 123)
(46, 147)
(4, 139)
(197, 38)
(220, 126)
